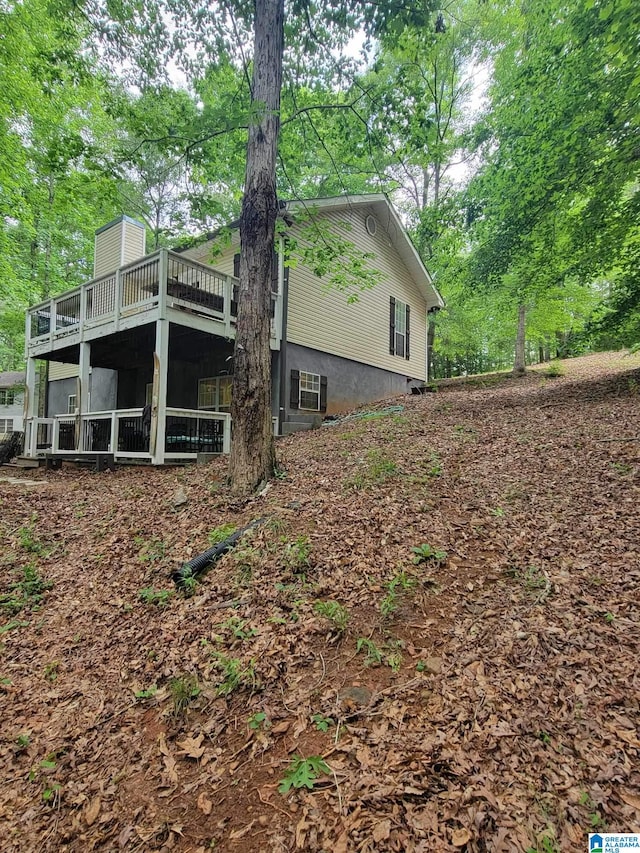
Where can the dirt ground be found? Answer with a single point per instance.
(429, 644)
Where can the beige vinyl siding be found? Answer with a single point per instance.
(222, 262)
(107, 250)
(60, 370)
(322, 319)
(117, 246)
(134, 239)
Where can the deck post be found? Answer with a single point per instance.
(159, 399)
(30, 407)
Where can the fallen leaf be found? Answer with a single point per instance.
(460, 837)
(381, 830)
(192, 747)
(204, 803)
(92, 811)
(630, 799)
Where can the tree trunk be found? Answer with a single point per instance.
(252, 452)
(519, 363)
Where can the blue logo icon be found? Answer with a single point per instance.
(595, 844)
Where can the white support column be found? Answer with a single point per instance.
(226, 436)
(83, 375)
(159, 398)
(30, 407)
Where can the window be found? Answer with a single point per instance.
(7, 397)
(214, 392)
(399, 316)
(6, 425)
(72, 404)
(148, 393)
(308, 391)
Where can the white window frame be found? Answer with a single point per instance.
(6, 425)
(72, 404)
(216, 397)
(400, 329)
(7, 397)
(309, 384)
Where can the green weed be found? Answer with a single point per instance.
(554, 370)
(28, 540)
(219, 534)
(322, 723)
(425, 552)
(149, 693)
(547, 844)
(184, 689)
(188, 581)
(151, 550)
(375, 470)
(158, 597)
(51, 670)
(258, 721)
(397, 587)
(27, 591)
(336, 613)
(297, 554)
(238, 628)
(303, 773)
(373, 655)
(234, 674)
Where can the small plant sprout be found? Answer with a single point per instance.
(234, 674)
(188, 581)
(219, 534)
(297, 554)
(397, 586)
(258, 721)
(184, 689)
(334, 612)
(423, 553)
(158, 597)
(303, 773)
(373, 655)
(238, 628)
(322, 723)
(151, 550)
(149, 693)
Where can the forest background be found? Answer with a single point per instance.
(507, 134)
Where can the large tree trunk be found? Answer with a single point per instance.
(252, 453)
(519, 363)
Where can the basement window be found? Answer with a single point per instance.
(6, 425)
(72, 404)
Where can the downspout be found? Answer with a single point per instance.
(282, 403)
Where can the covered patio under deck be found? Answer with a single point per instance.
(161, 409)
(162, 325)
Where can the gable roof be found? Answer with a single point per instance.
(10, 378)
(386, 214)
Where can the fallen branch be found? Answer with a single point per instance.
(636, 438)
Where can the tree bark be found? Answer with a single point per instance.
(519, 363)
(252, 451)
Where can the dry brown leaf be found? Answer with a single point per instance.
(460, 837)
(630, 799)
(92, 811)
(192, 747)
(170, 766)
(204, 803)
(381, 830)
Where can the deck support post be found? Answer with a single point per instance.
(82, 401)
(31, 427)
(159, 398)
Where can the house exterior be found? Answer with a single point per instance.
(141, 357)
(11, 401)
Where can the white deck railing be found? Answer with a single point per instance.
(134, 289)
(124, 433)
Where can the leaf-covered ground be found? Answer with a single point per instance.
(481, 693)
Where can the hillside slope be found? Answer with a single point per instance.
(480, 693)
